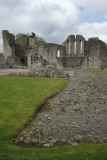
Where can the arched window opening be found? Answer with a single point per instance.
(69, 47)
(81, 47)
(75, 47)
(58, 53)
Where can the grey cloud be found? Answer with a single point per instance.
(48, 19)
(11, 4)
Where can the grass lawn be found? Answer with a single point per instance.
(96, 70)
(19, 100)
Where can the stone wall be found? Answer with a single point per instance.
(2, 62)
(74, 52)
(10, 62)
(96, 54)
(50, 71)
(75, 46)
(50, 51)
(8, 43)
(45, 55)
(19, 48)
(70, 62)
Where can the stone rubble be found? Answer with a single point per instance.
(50, 71)
(76, 115)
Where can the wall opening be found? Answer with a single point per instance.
(81, 47)
(69, 47)
(75, 47)
(58, 53)
(22, 60)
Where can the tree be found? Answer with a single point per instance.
(39, 40)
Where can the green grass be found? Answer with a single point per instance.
(96, 70)
(19, 100)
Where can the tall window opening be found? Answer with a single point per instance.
(58, 53)
(75, 47)
(81, 47)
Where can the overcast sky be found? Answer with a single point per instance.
(54, 20)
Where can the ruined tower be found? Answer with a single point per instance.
(8, 43)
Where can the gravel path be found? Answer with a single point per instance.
(76, 115)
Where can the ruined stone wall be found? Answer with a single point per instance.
(13, 60)
(74, 52)
(44, 55)
(102, 55)
(96, 53)
(10, 62)
(19, 49)
(8, 43)
(75, 46)
(25, 44)
(49, 71)
(2, 62)
(50, 51)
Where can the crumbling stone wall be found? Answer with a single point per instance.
(49, 52)
(2, 62)
(19, 48)
(25, 45)
(49, 71)
(74, 52)
(10, 62)
(75, 46)
(96, 54)
(44, 55)
(8, 43)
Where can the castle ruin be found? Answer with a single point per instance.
(75, 52)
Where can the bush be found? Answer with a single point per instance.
(38, 40)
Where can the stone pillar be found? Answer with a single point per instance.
(8, 43)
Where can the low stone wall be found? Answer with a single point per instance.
(46, 72)
(2, 62)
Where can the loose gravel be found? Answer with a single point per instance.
(76, 115)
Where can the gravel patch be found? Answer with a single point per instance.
(76, 115)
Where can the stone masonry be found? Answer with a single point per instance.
(73, 53)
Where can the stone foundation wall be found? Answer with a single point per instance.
(49, 71)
